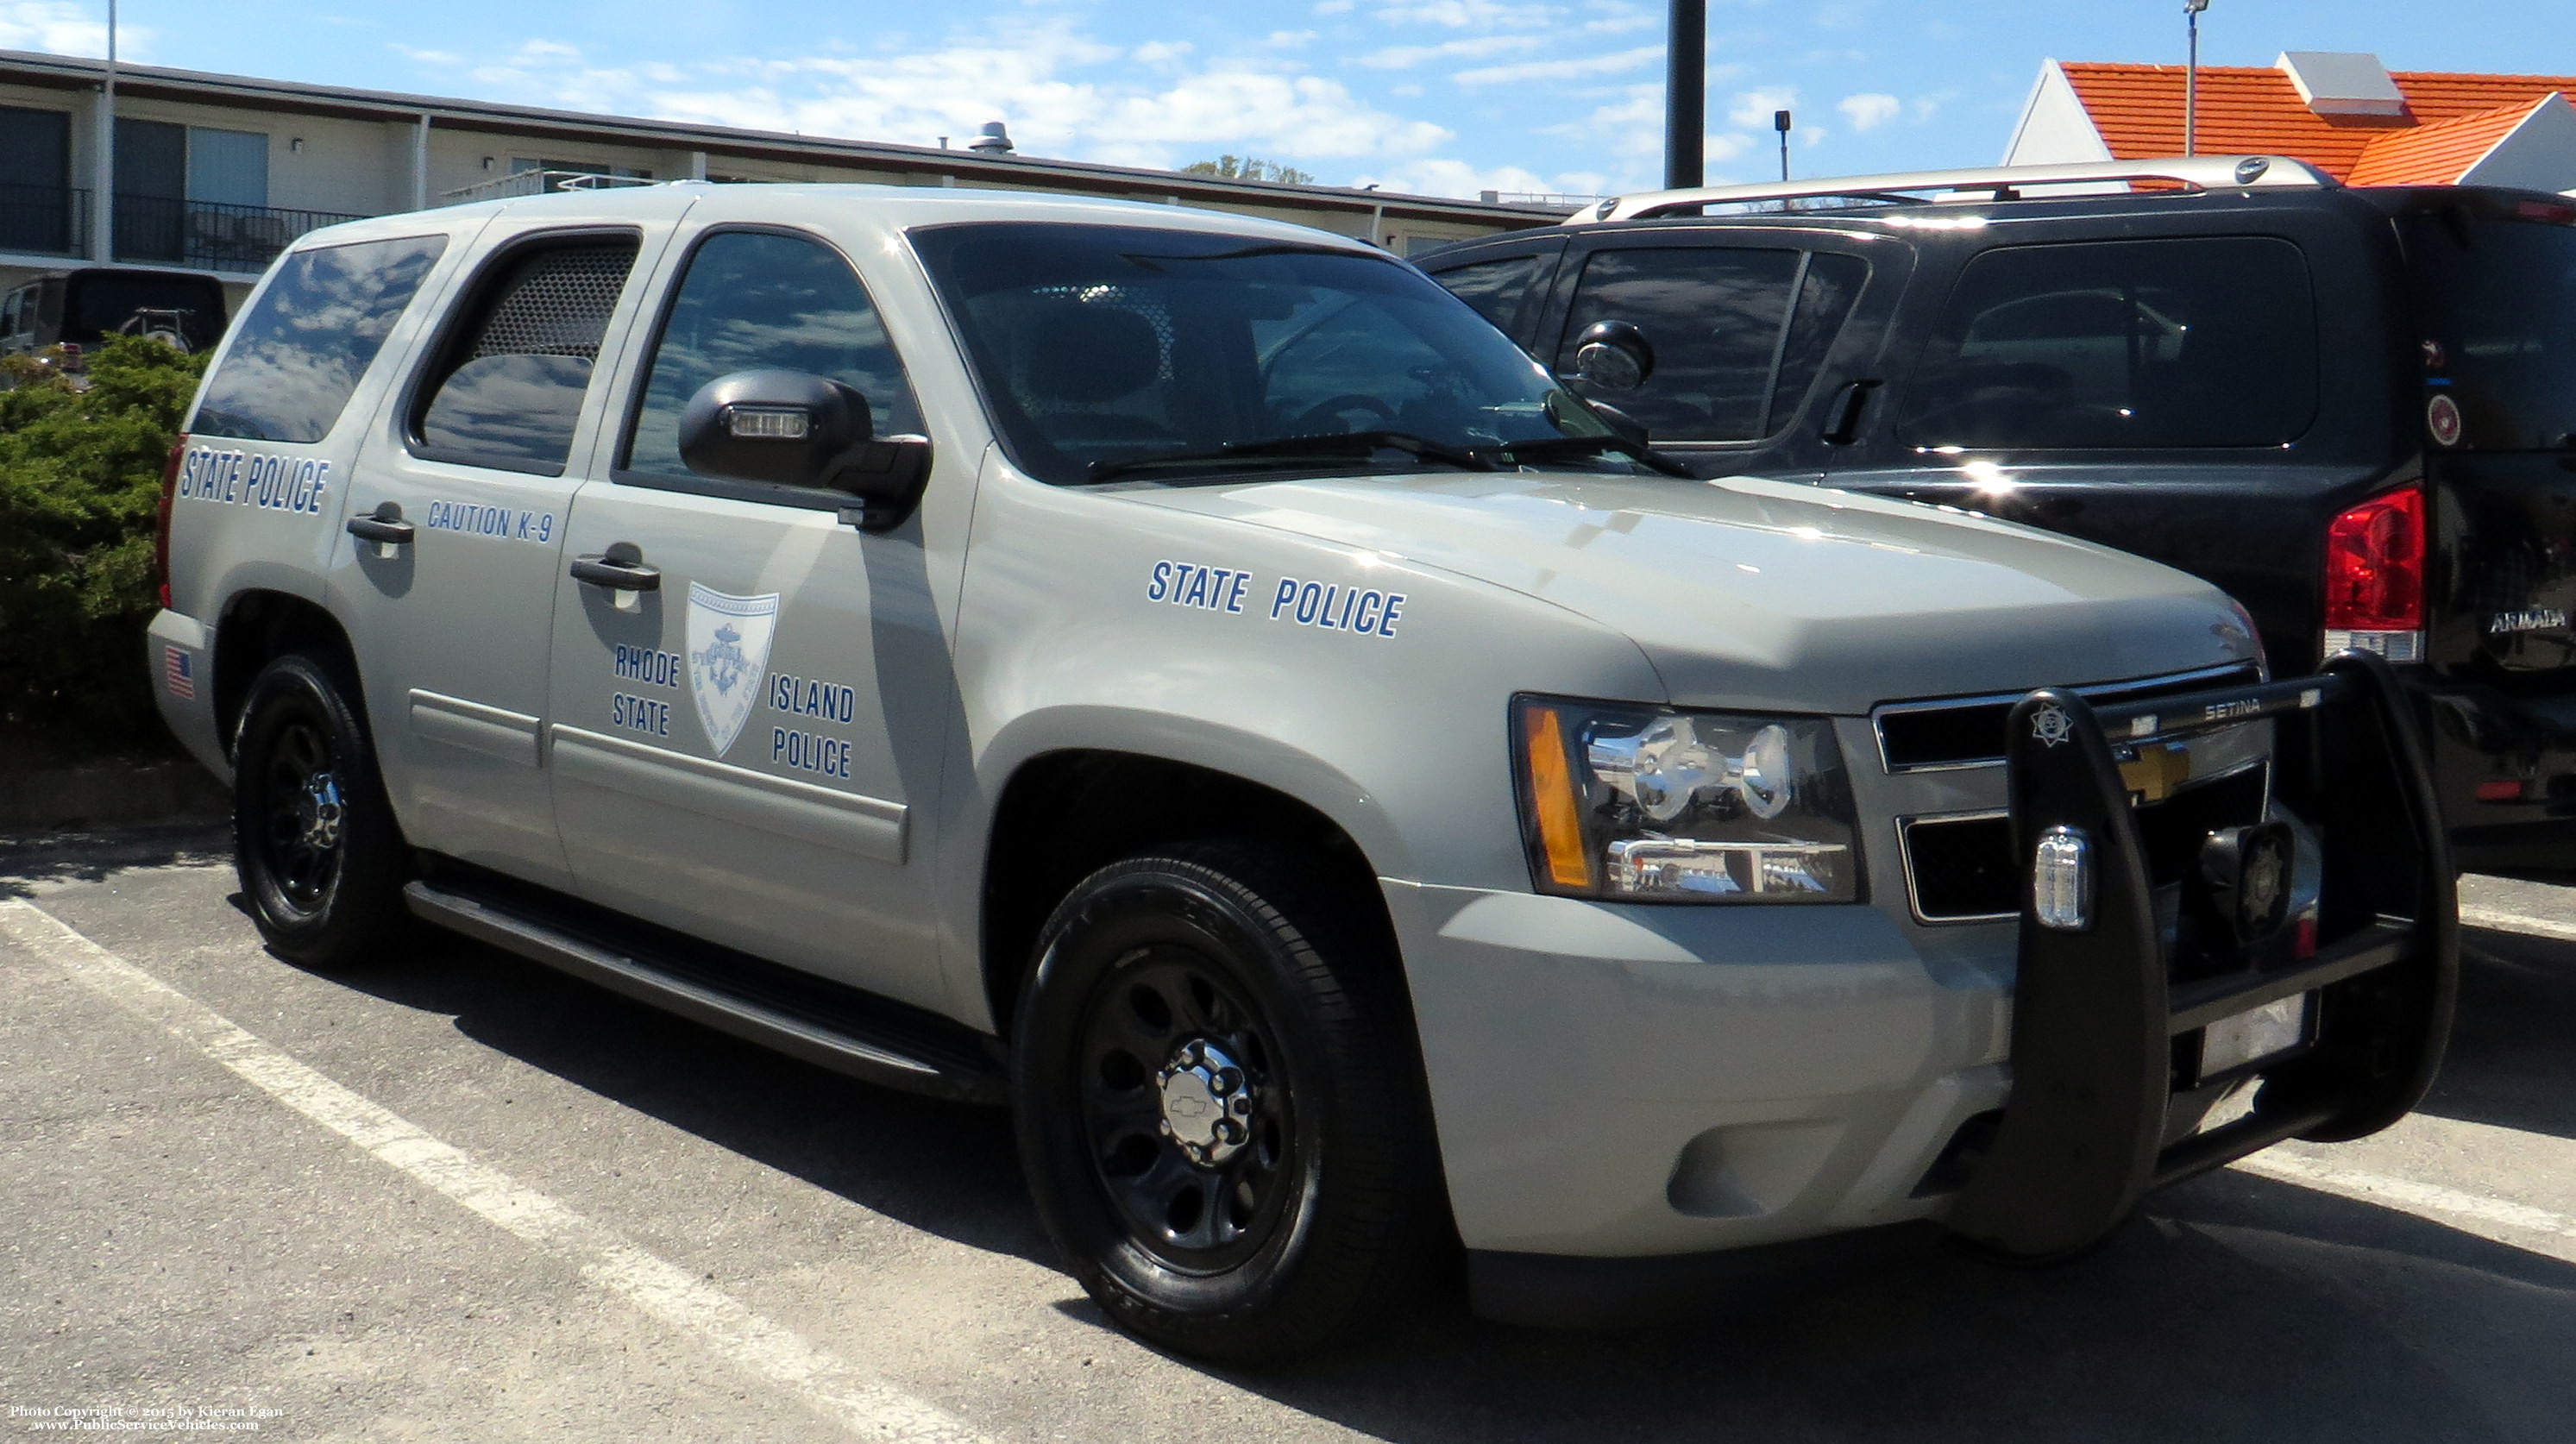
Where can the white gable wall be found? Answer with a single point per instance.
(2054, 128)
(2539, 154)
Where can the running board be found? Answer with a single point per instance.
(795, 1013)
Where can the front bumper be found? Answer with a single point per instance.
(1623, 1080)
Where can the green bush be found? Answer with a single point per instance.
(80, 481)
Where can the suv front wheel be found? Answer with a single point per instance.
(322, 863)
(1216, 1105)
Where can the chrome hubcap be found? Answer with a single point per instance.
(1207, 1102)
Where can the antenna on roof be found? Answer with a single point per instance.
(2191, 75)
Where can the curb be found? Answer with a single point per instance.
(177, 791)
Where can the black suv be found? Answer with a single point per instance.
(2355, 410)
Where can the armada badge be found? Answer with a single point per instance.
(2051, 725)
(728, 657)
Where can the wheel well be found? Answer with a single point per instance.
(259, 627)
(1066, 815)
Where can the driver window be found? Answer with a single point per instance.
(754, 301)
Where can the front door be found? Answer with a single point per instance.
(469, 491)
(748, 751)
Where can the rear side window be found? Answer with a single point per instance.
(508, 390)
(1730, 365)
(1495, 288)
(756, 301)
(301, 349)
(2206, 341)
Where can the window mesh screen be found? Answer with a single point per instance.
(558, 303)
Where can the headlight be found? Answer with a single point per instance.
(1651, 804)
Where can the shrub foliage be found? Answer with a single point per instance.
(80, 482)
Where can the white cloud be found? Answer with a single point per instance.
(1405, 57)
(1442, 176)
(1465, 14)
(67, 27)
(1561, 69)
(1289, 39)
(1870, 110)
(1752, 108)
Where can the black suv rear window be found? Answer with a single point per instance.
(2498, 300)
(2199, 341)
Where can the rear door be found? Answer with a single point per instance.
(2495, 286)
(469, 467)
(1756, 332)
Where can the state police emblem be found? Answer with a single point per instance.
(728, 656)
(2051, 726)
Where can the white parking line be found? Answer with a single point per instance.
(663, 1289)
(2500, 920)
(2408, 1194)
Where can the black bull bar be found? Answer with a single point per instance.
(2104, 1102)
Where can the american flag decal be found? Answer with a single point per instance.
(179, 673)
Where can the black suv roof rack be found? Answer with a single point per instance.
(2001, 183)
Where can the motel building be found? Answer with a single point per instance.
(2344, 113)
(218, 173)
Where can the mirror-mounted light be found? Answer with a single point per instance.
(790, 428)
(1613, 355)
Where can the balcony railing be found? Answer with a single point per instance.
(44, 220)
(535, 183)
(210, 235)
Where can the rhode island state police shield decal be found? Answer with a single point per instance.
(728, 657)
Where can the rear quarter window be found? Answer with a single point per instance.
(2195, 341)
(302, 347)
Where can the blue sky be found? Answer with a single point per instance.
(1442, 96)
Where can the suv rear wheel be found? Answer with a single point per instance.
(1217, 1108)
(321, 860)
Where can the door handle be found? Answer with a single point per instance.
(1842, 418)
(384, 524)
(620, 569)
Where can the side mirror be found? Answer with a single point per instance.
(1613, 355)
(790, 428)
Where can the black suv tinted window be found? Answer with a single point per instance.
(509, 391)
(1729, 366)
(2203, 341)
(2497, 298)
(753, 301)
(1495, 288)
(299, 352)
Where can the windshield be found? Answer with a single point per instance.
(1101, 348)
(2498, 308)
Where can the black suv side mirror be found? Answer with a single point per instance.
(790, 428)
(1613, 355)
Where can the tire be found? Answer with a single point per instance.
(321, 860)
(1220, 983)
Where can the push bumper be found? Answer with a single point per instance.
(1614, 1083)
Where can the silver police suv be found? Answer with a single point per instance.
(1190, 678)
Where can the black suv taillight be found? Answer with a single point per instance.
(2375, 577)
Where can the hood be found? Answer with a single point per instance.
(1770, 595)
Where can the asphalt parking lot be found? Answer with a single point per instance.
(462, 1197)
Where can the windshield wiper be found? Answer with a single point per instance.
(1553, 448)
(1343, 443)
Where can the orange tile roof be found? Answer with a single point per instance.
(2440, 153)
(2256, 110)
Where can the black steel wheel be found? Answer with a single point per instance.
(321, 862)
(1219, 1102)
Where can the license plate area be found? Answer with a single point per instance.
(2246, 1042)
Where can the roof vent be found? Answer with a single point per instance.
(2335, 82)
(994, 141)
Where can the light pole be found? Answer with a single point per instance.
(1685, 94)
(1780, 123)
(2191, 76)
